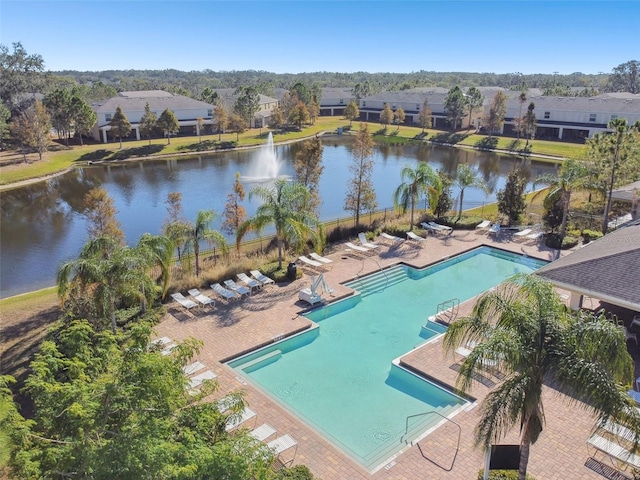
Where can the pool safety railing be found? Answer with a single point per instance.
(442, 421)
(380, 269)
(447, 311)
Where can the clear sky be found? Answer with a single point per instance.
(296, 36)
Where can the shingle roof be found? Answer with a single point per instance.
(609, 266)
(132, 102)
(601, 103)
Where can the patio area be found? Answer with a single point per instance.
(233, 328)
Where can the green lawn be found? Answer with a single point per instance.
(63, 158)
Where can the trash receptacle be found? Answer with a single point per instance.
(292, 271)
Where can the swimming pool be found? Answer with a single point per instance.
(340, 377)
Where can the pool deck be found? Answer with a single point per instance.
(232, 328)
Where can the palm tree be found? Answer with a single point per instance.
(112, 275)
(572, 175)
(525, 329)
(282, 206)
(467, 177)
(159, 251)
(201, 231)
(422, 179)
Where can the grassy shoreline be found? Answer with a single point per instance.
(63, 158)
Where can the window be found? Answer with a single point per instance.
(547, 115)
(592, 117)
(417, 107)
(341, 101)
(393, 106)
(107, 117)
(613, 117)
(209, 113)
(364, 104)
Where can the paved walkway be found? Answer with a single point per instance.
(228, 330)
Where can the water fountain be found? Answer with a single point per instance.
(267, 166)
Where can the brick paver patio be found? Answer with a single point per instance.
(228, 330)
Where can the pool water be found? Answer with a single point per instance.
(340, 377)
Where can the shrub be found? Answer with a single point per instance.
(553, 241)
(569, 242)
(299, 472)
(502, 475)
(590, 235)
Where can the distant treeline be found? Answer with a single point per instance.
(193, 83)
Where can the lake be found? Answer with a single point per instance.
(43, 225)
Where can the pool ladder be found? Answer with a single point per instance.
(433, 412)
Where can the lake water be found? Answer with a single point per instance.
(42, 224)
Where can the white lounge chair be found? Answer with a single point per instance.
(521, 235)
(193, 368)
(534, 237)
(182, 300)
(239, 289)
(366, 243)
(320, 258)
(263, 432)
(439, 228)
(161, 342)
(416, 238)
(483, 225)
(202, 299)
(392, 238)
(614, 451)
(310, 263)
(249, 282)
(494, 230)
(223, 292)
(261, 277)
(281, 444)
(235, 420)
(358, 248)
(199, 379)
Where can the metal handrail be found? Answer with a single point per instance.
(433, 412)
(452, 306)
(386, 277)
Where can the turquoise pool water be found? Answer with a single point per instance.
(340, 377)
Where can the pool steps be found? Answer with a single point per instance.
(380, 280)
(262, 361)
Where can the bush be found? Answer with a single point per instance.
(553, 241)
(272, 271)
(299, 472)
(502, 475)
(590, 235)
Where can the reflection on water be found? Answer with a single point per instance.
(43, 224)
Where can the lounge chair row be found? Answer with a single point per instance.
(231, 290)
(262, 433)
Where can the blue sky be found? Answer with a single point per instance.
(338, 36)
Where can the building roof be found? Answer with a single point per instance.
(627, 192)
(334, 92)
(157, 99)
(146, 94)
(230, 97)
(604, 104)
(607, 269)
